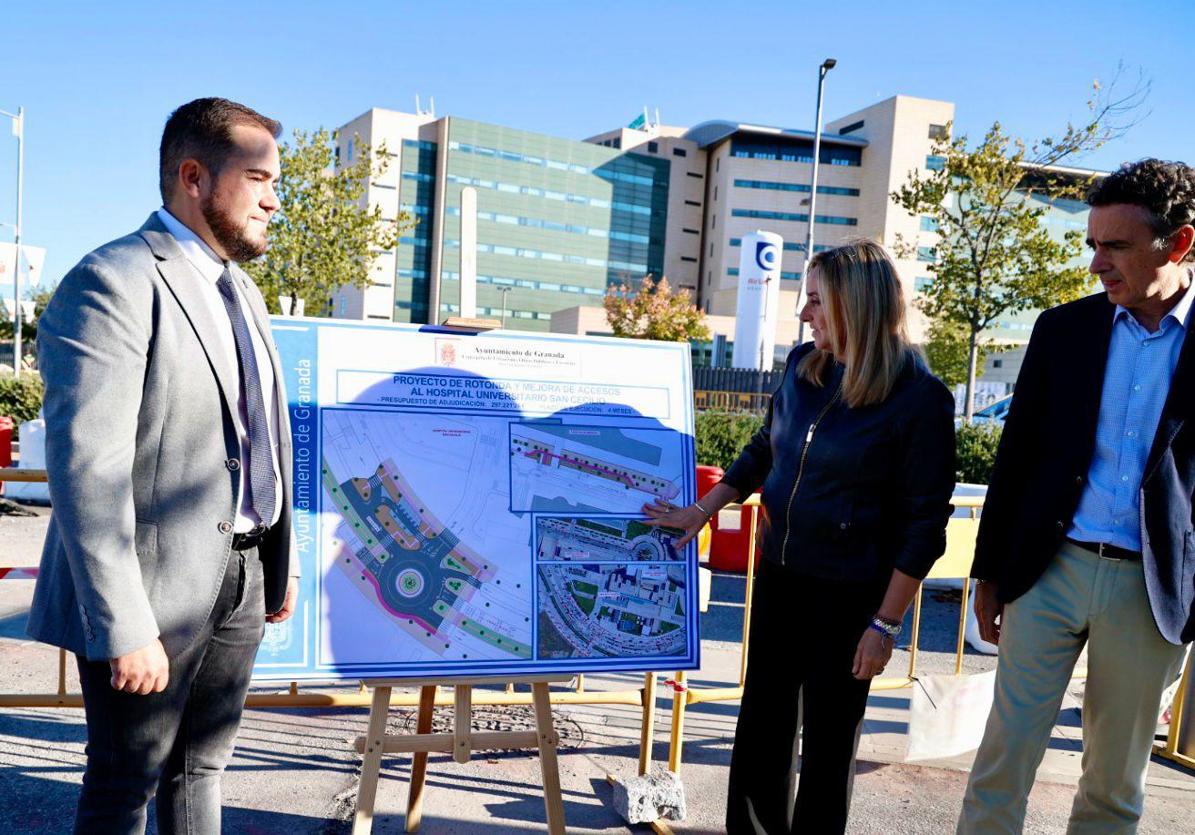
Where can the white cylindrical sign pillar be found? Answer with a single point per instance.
(758, 302)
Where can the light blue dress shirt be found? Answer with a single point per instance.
(1136, 383)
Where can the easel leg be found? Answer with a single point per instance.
(423, 725)
(647, 732)
(553, 800)
(680, 700)
(463, 744)
(371, 764)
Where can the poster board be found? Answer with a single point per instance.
(471, 503)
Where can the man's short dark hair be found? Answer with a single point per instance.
(1164, 189)
(202, 130)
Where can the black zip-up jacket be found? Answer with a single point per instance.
(873, 491)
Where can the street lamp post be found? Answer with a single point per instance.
(825, 68)
(18, 129)
(504, 291)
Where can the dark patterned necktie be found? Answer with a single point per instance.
(261, 455)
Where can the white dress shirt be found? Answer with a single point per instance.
(209, 267)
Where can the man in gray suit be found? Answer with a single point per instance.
(169, 459)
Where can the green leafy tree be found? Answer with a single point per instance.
(654, 312)
(994, 255)
(40, 299)
(323, 236)
(947, 350)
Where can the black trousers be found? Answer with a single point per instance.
(174, 744)
(804, 633)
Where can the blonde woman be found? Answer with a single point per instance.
(856, 464)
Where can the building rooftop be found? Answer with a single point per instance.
(714, 131)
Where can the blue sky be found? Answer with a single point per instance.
(98, 79)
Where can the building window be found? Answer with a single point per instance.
(711, 249)
(693, 203)
(653, 147)
(715, 193)
(801, 187)
(926, 254)
(833, 220)
(922, 282)
(695, 175)
(937, 131)
(679, 152)
(851, 128)
(687, 258)
(935, 163)
(786, 276)
(691, 231)
(795, 150)
(929, 224)
(997, 363)
(789, 246)
(616, 143)
(717, 165)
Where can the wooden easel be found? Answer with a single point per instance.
(461, 742)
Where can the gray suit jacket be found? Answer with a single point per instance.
(140, 452)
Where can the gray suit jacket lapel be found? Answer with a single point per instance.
(180, 277)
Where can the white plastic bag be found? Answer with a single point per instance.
(33, 457)
(947, 715)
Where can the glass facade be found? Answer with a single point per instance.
(414, 254)
(557, 221)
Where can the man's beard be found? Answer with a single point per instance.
(232, 238)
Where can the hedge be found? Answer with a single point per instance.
(975, 446)
(722, 435)
(21, 398)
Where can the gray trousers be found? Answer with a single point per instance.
(1081, 599)
(174, 744)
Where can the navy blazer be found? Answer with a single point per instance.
(1046, 451)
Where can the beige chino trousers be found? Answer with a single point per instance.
(1080, 599)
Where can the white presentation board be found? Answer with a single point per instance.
(471, 503)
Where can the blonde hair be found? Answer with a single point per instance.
(865, 322)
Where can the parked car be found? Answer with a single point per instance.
(992, 413)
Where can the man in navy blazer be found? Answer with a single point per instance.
(1086, 536)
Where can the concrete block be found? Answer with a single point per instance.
(650, 797)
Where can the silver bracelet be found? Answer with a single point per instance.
(697, 505)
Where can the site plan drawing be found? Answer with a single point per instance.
(472, 504)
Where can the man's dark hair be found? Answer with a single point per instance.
(202, 130)
(1164, 189)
